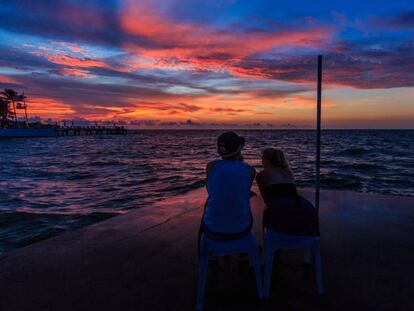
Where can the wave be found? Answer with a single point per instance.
(184, 187)
(359, 151)
(361, 166)
(80, 175)
(105, 163)
(334, 181)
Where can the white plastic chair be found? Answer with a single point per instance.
(274, 241)
(210, 249)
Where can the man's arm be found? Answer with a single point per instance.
(253, 173)
(253, 170)
(209, 168)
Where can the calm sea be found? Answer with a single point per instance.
(50, 185)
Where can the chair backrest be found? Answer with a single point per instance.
(229, 247)
(289, 241)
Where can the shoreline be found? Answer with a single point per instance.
(308, 190)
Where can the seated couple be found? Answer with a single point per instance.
(227, 213)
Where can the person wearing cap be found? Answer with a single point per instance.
(227, 213)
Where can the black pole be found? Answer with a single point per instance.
(318, 133)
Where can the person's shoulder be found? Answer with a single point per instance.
(250, 168)
(211, 163)
(253, 170)
(245, 164)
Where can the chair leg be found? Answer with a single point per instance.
(262, 253)
(255, 260)
(318, 268)
(307, 255)
(269, 254)
(250, 261)
(202, 278)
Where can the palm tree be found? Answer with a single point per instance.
(11, 95)
(21, 99)
(5, 112)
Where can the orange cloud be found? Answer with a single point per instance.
(73, 72)
(67, 60)
(7, 79)
(172, 44)
(49, 108)
(71, 46)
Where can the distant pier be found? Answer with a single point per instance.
(38, 130)
(90, 130)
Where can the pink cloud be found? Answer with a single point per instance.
(7, 79)
(180, 45)
(73, 72)
(68, 60)
(73, 47)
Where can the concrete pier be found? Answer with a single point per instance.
(146, 260)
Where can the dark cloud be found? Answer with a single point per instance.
(188, 107)
(63, 20)
(227, 110)
(172, 108)
(16, 58)
(144, 122)
(404, 20)
(364, 65)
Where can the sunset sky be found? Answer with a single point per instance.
(187, 63)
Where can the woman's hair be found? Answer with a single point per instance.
(276, 157)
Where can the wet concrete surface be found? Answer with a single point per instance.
(147, 260)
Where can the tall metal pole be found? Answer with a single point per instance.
(318, 133)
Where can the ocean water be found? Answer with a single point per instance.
(50, 185)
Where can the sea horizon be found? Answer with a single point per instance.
(270, 129)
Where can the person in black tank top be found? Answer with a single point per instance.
(286, 210)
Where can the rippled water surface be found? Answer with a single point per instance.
(49, 185)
